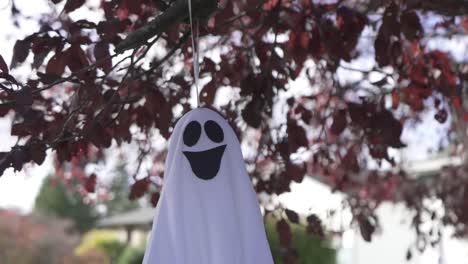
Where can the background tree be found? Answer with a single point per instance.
(59, 199)
(117, 198)
(92, 82)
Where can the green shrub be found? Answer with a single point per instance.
(103, 241)
(132, 255)
(112, 248)
(310, 249)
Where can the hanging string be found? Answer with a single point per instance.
(195, 52)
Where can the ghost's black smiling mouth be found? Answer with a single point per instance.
(205, 164)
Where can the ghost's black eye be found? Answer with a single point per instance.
(214, 131)
(192, 133)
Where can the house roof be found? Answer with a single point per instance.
(141, 217)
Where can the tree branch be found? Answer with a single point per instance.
(177, 12)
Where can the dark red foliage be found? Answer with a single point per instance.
(441, 116)
(71, 5)
(296, 136)
(139, 188)
(3, 66)
(314, 225)
(81, 97)
(411, 26)
(339, 122)
(155, 199)
(292, 216)
(296, 172)
(102, 55)
(367, 228)
(90, 183)
(20, 52)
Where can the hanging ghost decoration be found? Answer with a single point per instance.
(208, 212)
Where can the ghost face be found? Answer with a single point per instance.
(205, 164)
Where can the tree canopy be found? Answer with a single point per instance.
(58, 198)
(117, 200)
(126, 78)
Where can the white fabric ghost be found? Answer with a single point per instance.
(208, 212)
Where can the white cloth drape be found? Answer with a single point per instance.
(207, 221)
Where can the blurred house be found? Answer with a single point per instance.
(396, 235)
(389, 245)
(131, 227)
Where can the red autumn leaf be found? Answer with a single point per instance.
(164, 121)
(24, 97)
(133, 6)
(441, 61)
(395, 99)
(5, 161)
(388, 33)
(282, 184)
(252, 113)
(441, 116)
(139, 188)
(154, 101)
(350, 161)
(270, 4)
(38, 153)
(102, 54)
(155, 199)
(20, 130)
(386, 128)
(18, 158)
(90, 183)
(339, 122)
(314, 225)
(247, 84)
(366, 227)
(207, 94)
(295, 171)
(76, 58)
(20, 52)
(72, 5)
(410, 25)
(109, 29)
(99, 135)
(359, 114)
(296, 136)
(56, 64)
(292, 216)
(456, 102)
(209, 66)
(3, 66)
(350, 24)
(284, 232)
